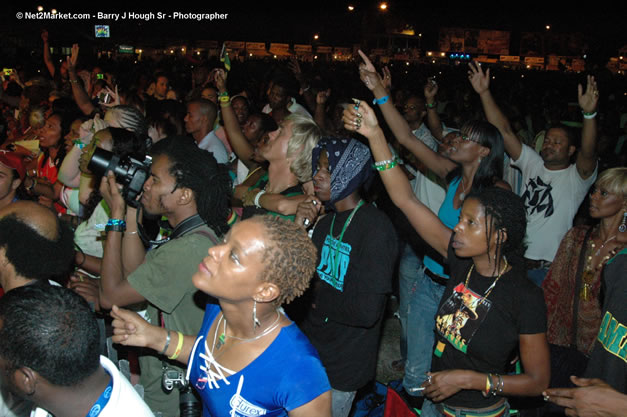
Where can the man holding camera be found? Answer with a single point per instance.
(192, 190)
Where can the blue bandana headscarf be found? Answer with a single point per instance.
(350, 166)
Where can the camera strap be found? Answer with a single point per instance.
(183, 227)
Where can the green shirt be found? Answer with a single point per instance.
(165, 280)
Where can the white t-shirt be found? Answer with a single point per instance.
(124, 400)
(292, 107)
(213, 144)
(552, 199)
(424, 135)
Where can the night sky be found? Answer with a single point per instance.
(297, 22)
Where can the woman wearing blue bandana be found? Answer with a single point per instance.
(357, 248)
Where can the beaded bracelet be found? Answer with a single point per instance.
(385, 165)
(115, 225)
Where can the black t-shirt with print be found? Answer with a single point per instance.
(344, 322)
(608, 359)
(479, 333)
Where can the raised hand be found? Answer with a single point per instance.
(115, 98)
(219, 78)
(368, 73)
(589, 100)
(387, 79)
(73, 58)
(431, 90)
(323, 96)
(479, 79)
(360, 118)
(110, 191)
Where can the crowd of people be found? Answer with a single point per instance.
(192, 209)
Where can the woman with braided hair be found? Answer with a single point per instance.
(489, 308)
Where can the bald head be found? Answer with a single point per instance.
(36, 244)
(39, 218)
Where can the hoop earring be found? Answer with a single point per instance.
(256, 322)
(623, 226)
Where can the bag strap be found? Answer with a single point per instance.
(582, 260)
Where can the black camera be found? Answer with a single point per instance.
(129, 172)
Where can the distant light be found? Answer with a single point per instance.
(442, 54)
(250, 55)
(182, 49)
(433, 61)
(334, 56)
(383, 6)
(429, 53)
(275, 57)
(53, 11)
(548, 27)
(40, 8)
(351, 8)
(316, 57)
(171, 51)
(493, 77)
(198, 53)
(316, 36)
(585, 57)
(420, 35)
(620, 57)
(140, 51)
(407, 63)
(528, 66)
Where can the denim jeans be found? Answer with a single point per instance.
(341, 402)
(422, 309)
(409, 268)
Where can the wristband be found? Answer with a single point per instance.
(179, 346)
(381, 100)
(167, 344)
(78, 143)
(224, 94)
(115, 225)
(257, 197)
(385, 165)
(587, 115)
(432, 105)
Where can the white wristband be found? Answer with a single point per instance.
(258, 196)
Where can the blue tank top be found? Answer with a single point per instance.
(285, 376)
(450, 217)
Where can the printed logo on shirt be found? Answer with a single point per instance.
(241, 407)
(460, 316)
(334, 260)
(613, 336)
(538, 197)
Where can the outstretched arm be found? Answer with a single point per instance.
(433, 118)
(361, 118)
(240, 144)
(129, 329)
(47, 57)
(591, 397)
(480, 81)
(587, 156)
(80, 95)
(401, 130)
